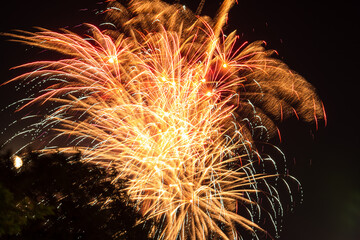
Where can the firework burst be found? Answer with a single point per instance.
(165, 98)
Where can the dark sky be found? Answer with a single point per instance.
(319, 40)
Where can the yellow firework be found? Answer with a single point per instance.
(163, 97)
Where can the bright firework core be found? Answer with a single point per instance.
(165, 98)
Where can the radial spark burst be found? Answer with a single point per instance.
(169, 101)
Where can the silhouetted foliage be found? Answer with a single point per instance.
(56, 196)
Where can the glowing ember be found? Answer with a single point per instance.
(18, 162)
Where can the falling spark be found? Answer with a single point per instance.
(137, 97)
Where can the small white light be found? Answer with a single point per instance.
(18, 162)
(112, 59)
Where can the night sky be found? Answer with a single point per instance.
(318, 39)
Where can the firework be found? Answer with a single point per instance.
(165, 98)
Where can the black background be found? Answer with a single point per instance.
(318, 39)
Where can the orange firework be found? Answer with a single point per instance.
(165, 98)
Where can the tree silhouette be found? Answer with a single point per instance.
(57, 196)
